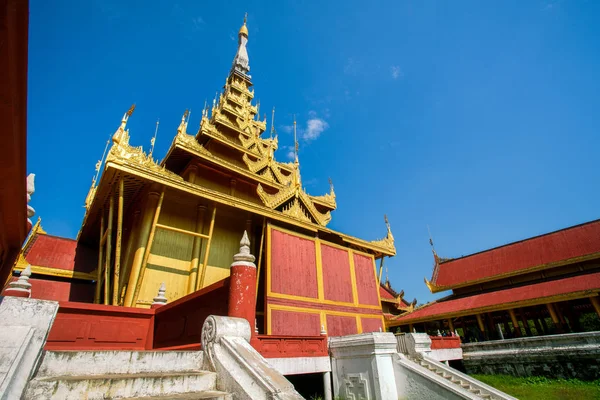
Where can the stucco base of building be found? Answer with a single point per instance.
(24, 326)
(574, 355)
(362, 366)
(300, 365)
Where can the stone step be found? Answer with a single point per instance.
(115, 386)
(80, 363)
(205, 395)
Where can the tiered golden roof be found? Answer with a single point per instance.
(230, 140)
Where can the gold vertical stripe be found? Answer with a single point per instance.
(353, 277)
(320, 289)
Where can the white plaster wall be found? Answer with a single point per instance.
(300, 365)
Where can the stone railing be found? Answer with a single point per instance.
(241, 369)
(573, 355)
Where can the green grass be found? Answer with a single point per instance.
(540, 388)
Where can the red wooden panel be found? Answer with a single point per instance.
(337, 283)
(293, 265)
(290, 323)
(449, 342)
(341, 325)
(284, 346)
(80, 326)
(366, 283)
(371, 324)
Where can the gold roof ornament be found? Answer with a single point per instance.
(244, 28)
(387, 242)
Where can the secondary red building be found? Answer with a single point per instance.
(541, 285)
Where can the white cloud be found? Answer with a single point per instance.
(396, 71)
(197, 22)
(314, 127)
(287, 128)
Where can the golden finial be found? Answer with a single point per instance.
(131, 109)
(295, 142)
(244, 28)
(272, 123)
(153, 140)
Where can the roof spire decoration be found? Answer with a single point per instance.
(92, 191)
(295, 143)
(121, 136)
(153, 140)
(241, 62)
(388, 241)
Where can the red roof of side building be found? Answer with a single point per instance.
(59, 253)
(566, 246)
(539, 293)
(386, 294)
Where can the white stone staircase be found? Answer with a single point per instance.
(148, 375)
(462, 385)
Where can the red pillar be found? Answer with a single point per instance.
(242, 286)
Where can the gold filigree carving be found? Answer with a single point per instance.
(255, 166)
(294, 210)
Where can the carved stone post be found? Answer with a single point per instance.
(21, 287)
(160, 299)
(242, 287)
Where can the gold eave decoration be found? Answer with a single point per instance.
(387, 242)
(274, 201)
(271, 169)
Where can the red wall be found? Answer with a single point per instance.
(366, 283)
(46, 289)
(337, 283)
(341, 325)
(440, 342)
(180, 323)
(80, 326)
(293, 265)
(289, 323)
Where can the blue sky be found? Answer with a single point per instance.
(479, 119)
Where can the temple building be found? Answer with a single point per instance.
(179, 222)
(542, 285)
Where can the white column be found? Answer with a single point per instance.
(327, 395)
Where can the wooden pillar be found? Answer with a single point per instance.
(260, 252)
(196, 249)
(138, 258)
(480, 324)
(126, 264)
(115, 299)
(111, 209)
(207, 251)
(381, 268)
(411, 328)
(596, 303)
(513, 319)
(554, 317)
(525, 322)
(232, 183)
(140, 280)
(450, 325)
(100, 260)
(491, 328)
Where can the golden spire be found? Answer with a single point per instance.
(153, 140)
(295, 143)
(244, 28)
